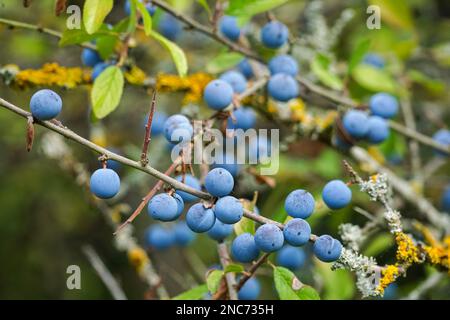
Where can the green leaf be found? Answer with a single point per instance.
(107, 91)
(379, 244)
(394, 145)
(193, 294)
(358, 54)
(213, 280)
(251, 7)
(145, 16)
(178, 56)
(75, 36)
(106, 46)
(223, 61)
(338, 284)
(373, 79)
(94, 12)
(205, 6)
(236, 268)
(395, 13)
(308, 293)
(290, 288)
(321, 68)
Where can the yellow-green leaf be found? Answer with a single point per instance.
(213, 280)
(178, 56)
(396, 13)
(94, 12)
(107, 91)
(321, 68)
(195, 293)
(223, 61)
(252, 7)
(374, 79)
(145, 16)
(290, 288)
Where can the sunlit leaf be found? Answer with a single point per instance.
(178, 56)
(107, 91)
(94, 13)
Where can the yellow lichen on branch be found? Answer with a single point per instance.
(388, 275)
(52, 74)
(407, 252)
(193, 85)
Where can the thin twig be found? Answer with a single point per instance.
(229, 276)
(48, 31)
(207, 31)
(104, 274)
(248, 274)
(148, 131)
(149, 195)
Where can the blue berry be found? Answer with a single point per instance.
(229, 210)
(297, 232)
(374, 60)
(250, 290)
(299, 204)
(191, 182)
(98, 69)
(219, 182)
(245, 67)
(244, 118)
(220, 230)
(113, 164)
(283, 64)
(183, 235)
(336, 194)
(283, 87)
(45, 104)
(291, 257)
(229, 163)
(269, 238)
(158, 122)
(390, 293)
(230, 28)
(327, 249)
(244, 249)
(218, 94)
(163, 207)
(355, 123)
(445, 200)
(180, 203)
(443, 137)
(105, 183)
(274, 34)
(200, 219)
(159, 237)
(378, 130)
(236, 80)
(169, 26)
(383, 105)
(90, 57)
(178, 128)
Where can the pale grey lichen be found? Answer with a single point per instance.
(351, 235)
(365, 268)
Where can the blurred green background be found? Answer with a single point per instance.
(46, 218)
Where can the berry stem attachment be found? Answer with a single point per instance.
(149, 195)
(148, 131)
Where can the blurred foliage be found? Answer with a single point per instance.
(45, 218)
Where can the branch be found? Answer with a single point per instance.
(148, 131)
(247, 275)
(104, 274)
(51, 32)
(66, 132)
(207, 31)
(229, 276)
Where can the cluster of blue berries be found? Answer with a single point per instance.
(299, 205)
(161, 237)
(374, 128)
(282, 85)
(442, 136)
(91, 58)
